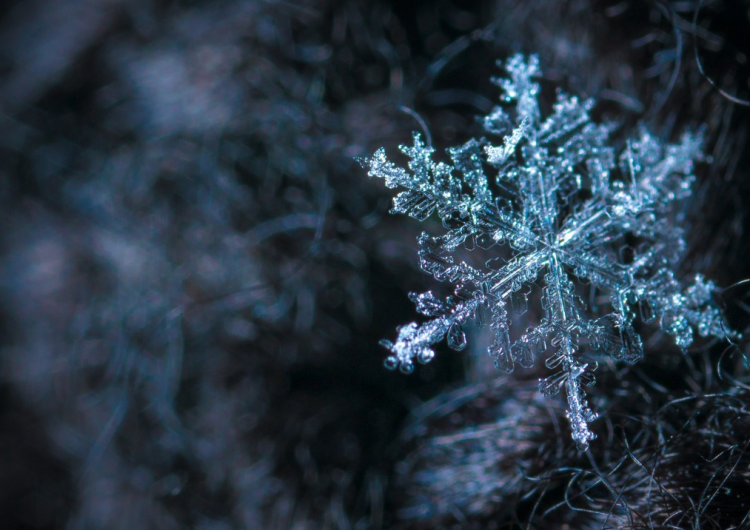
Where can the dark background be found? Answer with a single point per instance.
(196, 272)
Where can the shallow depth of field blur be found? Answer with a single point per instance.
(196, 272)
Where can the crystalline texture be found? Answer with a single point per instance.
(568, 204)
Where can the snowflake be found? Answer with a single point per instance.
(572, 213)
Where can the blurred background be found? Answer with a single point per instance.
(196, 272)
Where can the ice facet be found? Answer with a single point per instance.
(456, 337)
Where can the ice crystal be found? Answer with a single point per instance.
(573, 213)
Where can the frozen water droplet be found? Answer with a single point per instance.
(425, 355)
(456, 337)
(406, 367)
(391, 362)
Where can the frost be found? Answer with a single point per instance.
(576, 216)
